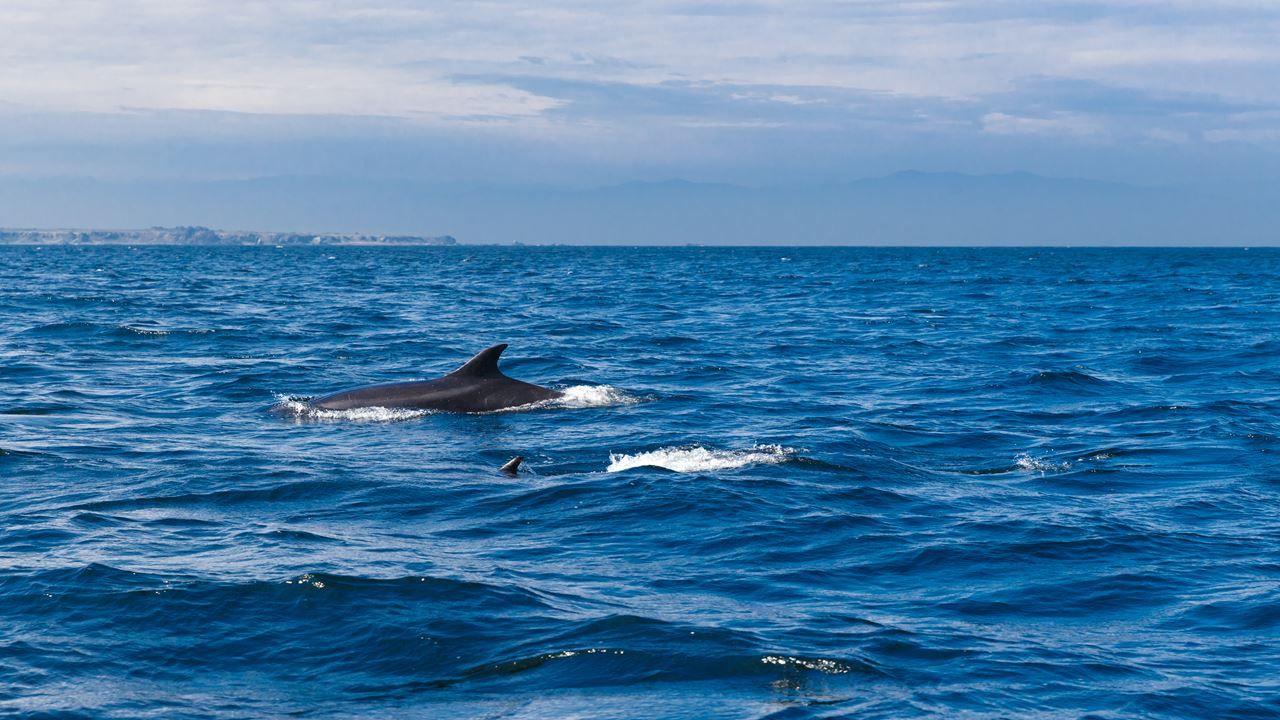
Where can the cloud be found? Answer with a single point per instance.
(1091, 96)
(1057, 124)
(648, 84)
(1169, 136)
(1266, 135)
(359, 56)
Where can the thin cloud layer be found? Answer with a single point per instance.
(655, 86)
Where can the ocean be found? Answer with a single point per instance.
(784, 483)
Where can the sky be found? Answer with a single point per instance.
(578, 94)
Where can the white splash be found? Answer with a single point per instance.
(696, 458)
(590, 396)
(1027, 462)
(299, 409)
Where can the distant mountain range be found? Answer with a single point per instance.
(907, 208)
(204, 236)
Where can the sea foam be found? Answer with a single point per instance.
(589, 396)
(1041, 465)
(695, 458)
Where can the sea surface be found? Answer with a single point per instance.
(784, 483)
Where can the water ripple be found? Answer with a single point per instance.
(783, 483)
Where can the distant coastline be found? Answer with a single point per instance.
(196, 235)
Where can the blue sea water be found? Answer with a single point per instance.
(786, 483)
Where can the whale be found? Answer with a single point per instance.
(478, 386)
(512, 468)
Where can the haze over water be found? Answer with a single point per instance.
(787, 483)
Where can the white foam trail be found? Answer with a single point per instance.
(695, 458)
(298, 408)
(589, 396)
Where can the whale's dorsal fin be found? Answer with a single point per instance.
(484, 364)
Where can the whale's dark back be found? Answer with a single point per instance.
(477, 386)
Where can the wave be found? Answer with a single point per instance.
(592, 665)
(822, 665)
(1114, 594)
(8, 452)
(1026, 462)
(1065, 378)
(62, 329)
(37, 409)
(285, 492)
(1042, 465)
(695, 458)
(143, 329)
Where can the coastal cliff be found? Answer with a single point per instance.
(196, 235)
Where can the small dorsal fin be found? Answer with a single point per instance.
(513, 465)
(484, 364)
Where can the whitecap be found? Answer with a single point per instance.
(695, 458)
(1027, 462)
